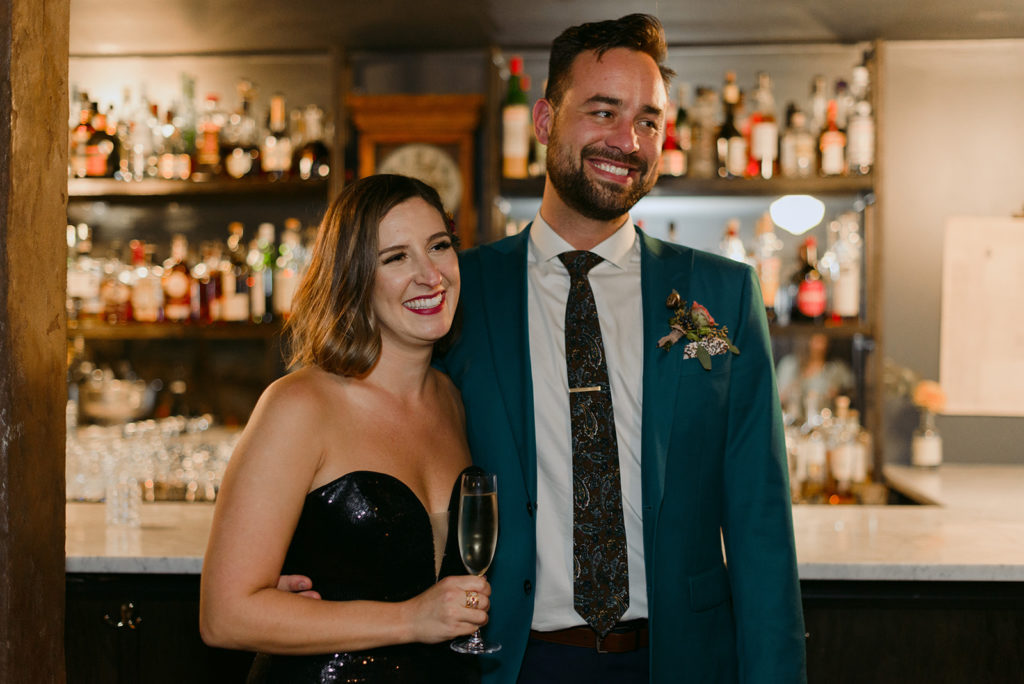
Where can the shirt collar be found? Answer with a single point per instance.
(546, 244)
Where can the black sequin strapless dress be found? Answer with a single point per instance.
(366, 536)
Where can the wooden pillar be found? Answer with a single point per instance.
(33, 194)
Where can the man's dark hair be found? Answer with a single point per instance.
(640, 32)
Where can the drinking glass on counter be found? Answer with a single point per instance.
(172, 459)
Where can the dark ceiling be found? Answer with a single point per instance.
(189, 26)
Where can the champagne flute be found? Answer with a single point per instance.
(478, 535)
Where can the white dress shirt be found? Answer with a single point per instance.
(616, 286)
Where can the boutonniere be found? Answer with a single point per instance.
(694, 322)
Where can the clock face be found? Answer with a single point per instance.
(430, 164)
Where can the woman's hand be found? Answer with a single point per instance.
(297, 584)
(453, 607)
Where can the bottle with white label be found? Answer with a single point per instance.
(832, 144)
(290, 267)
(147, 295)
(797, 156)
(235, 277)
(767, 262)
(732, 146)
(845, 274)
(764, 131)
(860, 128)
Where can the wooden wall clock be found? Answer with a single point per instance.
(430, 137)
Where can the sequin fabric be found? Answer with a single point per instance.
(601, 572)
(366, 536)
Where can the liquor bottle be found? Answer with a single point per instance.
(797, 156)
(673, 162)
(80, 136)
(239, 141)
(276, 146)
(764, 131)
(141, 142)
(312, 158)
(84, 273)
(810, 302)
(290, 267)
(173, 161)
(187, 122)
(178, 282)
(845, 276)
(296, 131)
(844, 453)
(863, 483)
(147, 296)
(731, 245)
(102, 150)
(123, 133)
(537, 164)
(844, 104)
(206, 274)
(730, 143)
(115, 287)
(819, 105)
(261, 266)
(812, 452)
(860, 134)
(684, 138)
(515, 124)
(235, 277)
(767, 262)
(211, 120)
(832, 145)
(703, 162)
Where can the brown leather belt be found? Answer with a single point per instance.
(625, 637)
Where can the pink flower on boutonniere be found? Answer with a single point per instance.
(696, 324)
(701, 316)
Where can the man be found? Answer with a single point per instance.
(680, 463)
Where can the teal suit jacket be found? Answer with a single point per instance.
(713, 465)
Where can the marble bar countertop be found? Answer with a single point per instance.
(971, 529)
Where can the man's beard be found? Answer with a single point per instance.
(594, 199)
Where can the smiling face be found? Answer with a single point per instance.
(605, 137)
(416, 286)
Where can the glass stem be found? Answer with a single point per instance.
(475, 642)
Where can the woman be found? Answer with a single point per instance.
(347, 469)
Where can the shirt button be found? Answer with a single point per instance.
(527, 587)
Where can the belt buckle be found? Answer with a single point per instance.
(598, 640)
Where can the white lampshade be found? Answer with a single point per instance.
(797, 214)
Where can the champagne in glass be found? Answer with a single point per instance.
(478, 536)
(478, 530)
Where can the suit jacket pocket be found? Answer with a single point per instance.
(709, 589)
(719, 364)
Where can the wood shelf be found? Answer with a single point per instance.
(671, 186)
(98, 188)
(98, 330)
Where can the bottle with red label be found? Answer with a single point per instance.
(811, 297)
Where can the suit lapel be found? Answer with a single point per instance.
(504, 291)
(661, 271)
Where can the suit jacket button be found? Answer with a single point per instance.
(527, 587)
(529, 508)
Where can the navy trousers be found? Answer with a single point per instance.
(548, 663)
